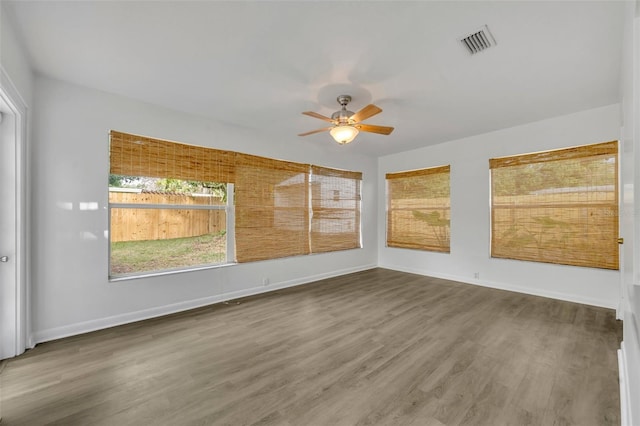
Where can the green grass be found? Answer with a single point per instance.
(155, 255)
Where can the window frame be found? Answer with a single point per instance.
(143, 156)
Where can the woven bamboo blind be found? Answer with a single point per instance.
(418, 209)
(272, 208)
(133, 155)
(272, 203)
(557, 206)
(335, 206)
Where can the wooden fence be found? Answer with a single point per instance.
(132, 224)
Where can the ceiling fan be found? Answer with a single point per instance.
(346, 124)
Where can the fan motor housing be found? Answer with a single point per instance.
(342, 116)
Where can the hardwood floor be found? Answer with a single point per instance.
(377, 347)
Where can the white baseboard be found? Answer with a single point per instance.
(625, 394)
(112, 321)
(102, 323)
(505, 286)
(292, 283)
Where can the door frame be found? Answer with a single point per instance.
(22, 337)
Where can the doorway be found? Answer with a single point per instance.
(13, 221)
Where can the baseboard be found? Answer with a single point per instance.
(126, 318)
(112, 321)
(625, 393)
(505, 286)
(292, 283)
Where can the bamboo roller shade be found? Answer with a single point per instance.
(604, 148)
(133, 155)
(272, 209)
(418, 210)
(345, 174)
(335, 205)
(271, 196)
(256, 162)
(419, 172)
(569, 217)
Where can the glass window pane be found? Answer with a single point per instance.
(335, 219)
(557, 206)
(149, 239)
(418, 209)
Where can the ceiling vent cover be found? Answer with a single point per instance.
(478, 41)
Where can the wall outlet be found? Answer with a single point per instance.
(265, 281)
(476, 275)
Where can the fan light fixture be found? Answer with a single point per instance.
(344, 134)
(347, 124)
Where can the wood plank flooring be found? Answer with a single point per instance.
(377, 347)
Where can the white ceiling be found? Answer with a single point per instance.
(259, 64)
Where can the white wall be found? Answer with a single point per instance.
(13, 59)
(71, 291)
(470, 212)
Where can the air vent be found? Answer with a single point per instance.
(478, 41)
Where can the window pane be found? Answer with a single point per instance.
(271, 214)
(272, 208)
(148, 190)
(335, 205)
(561, 209)
(150, 239)
(418, 211)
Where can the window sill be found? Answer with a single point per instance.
(168, 272)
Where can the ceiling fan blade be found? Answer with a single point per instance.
(383, 130)
(316, 115)
(366, 112)
(315, 131)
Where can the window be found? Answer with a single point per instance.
(287, 209)
(557, 206)
(159, 230)
(272, 208)
(418, 209)
(335, 209)
(166, 211)
(174, 206)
